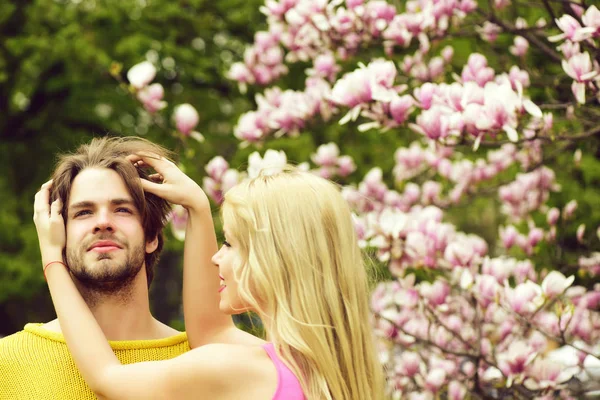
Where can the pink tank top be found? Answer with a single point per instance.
(288, 386)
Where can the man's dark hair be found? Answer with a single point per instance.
(110, 152)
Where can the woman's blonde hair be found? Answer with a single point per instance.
(304, 271)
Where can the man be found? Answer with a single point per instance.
(114, 239)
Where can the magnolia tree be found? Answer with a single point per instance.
(458, 317)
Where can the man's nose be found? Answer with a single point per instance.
(103, 222)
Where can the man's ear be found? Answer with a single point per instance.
(152, 245)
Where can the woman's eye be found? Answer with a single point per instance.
(226, 243)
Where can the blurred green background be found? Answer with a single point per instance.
(57, 91)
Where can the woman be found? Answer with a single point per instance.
(290, 254)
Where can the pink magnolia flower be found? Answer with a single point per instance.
(552, 216)
(212, 189)
(460, 253)
(520, 46)
(486, 289)
(216, 167)
(435, 293)
(591, 19)
(151, 97)
(401, 107)
(489, 32)
(523, 271)
(239, 72)
(346, 165)
(424, 95)
(409, 363)
(141, 74)
(580, 233)
(252, 126)
(509, 236)
(447, 53)
(477, 70)
(591, 264)
(327, 155)
(431, 192)
(569, 49)
(515, 74)
(352, 89)
(515, 360)
(525, 298)
(579, 67)
(544, 374)
(178, 217)
(556, 283)
(272, 162)
(569, 209)
(534, 236)
(230, 178)
(456, 391)
(435, 379)
(500, 268)
(186, 118)
(326, 67)
(571, 29)
(501, 4)
(432, 123)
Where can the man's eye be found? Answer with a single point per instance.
(82, 212)
(124, 210)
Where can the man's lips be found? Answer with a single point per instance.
(104, 246)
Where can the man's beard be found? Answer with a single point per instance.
(106, 278)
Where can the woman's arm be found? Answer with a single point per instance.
(202, 371)
(204, 322)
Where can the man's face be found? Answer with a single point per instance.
(105, 238)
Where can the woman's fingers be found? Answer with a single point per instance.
(156, 178)
(55, 209)
(160, 164)
(42, 199)
(155, 188)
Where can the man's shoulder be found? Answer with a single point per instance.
(12, 339)
(18, 342)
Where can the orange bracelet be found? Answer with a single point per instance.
(53, 262)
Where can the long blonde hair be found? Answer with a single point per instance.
(305, 273)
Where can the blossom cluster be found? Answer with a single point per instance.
(308, 30)
(284, 112)
(460, 316)
(185, 116)
(577, 63)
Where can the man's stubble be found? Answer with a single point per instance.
(109, 277)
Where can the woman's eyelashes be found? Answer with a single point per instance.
(226, 243)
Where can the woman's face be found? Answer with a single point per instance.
(228, 259)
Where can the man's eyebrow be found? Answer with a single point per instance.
(118, 202)
(115, 202)
(81, 204)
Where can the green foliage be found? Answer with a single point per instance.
(56, 92)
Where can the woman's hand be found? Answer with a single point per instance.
(49, 224)
(173, 185)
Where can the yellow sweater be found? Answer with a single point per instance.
(35, 363)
